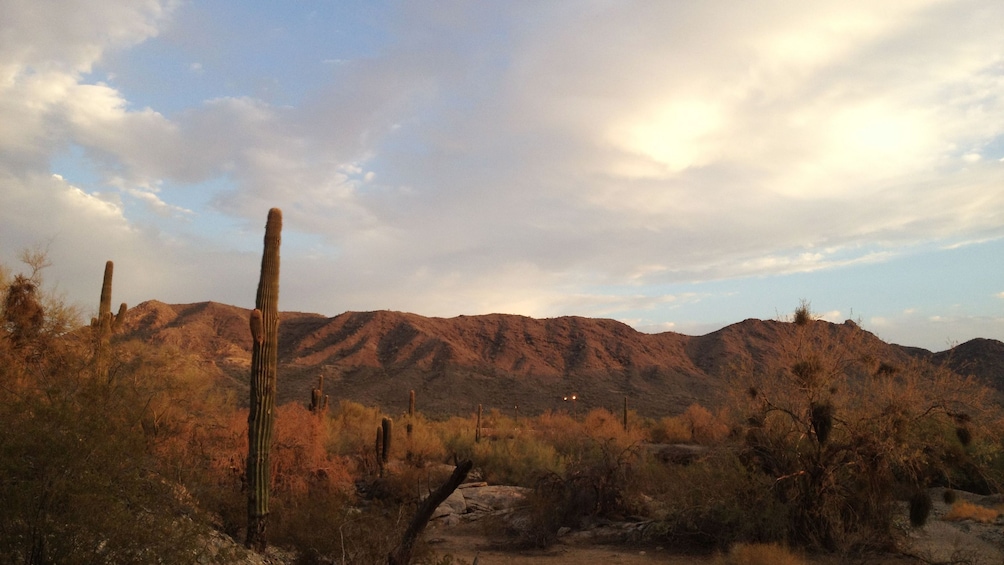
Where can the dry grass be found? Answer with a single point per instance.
(964, 510)
(759, 554)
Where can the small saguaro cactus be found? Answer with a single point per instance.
(477, 427)
(378, 449)
(319, 400)
(264, 357)
(387, 427)
(411, 412)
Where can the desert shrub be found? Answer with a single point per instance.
(670, 429)
(713, 503)
(965, 510)
(328, 527)
(803, 314)
(596, 481)
(516, 461)
(602, 425)
(705, 427)
(79, 484)
(457, 436)
(560, 430)
(423, 445)
(759, 554)
(78, 477)
(81, 477)
(838, 438)
(352, 428)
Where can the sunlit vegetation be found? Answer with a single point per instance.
(964, 510)
(139, 457)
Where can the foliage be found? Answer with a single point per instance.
(965, 510)
(839, 437)
(714, 502)
(77, 476)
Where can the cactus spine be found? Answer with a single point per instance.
(264, 350)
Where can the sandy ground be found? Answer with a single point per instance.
(965, 542)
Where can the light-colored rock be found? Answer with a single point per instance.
(454, 504)
(494, 498)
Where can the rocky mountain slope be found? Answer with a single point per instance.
(503, 361)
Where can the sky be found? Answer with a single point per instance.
(678, 166)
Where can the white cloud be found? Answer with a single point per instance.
(477, 164)
(834, 316)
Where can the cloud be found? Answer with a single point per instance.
(475, 163)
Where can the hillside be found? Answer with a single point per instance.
(503, 360)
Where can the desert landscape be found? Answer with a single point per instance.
(563, 282)
(491, 439)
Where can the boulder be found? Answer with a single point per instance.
(454, 504)
(493, 498)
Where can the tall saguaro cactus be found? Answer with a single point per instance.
(264, 357)
(105, 323)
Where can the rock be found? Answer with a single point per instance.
(493, 498)
(454, 504)
(473, 485)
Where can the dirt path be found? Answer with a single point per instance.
(937, 542)
(467, 545)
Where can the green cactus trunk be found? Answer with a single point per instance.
(477, 427)
(411, 413)
(378, 450)
(105, 324)
(264, 357)
(319, 400)
(387, 427)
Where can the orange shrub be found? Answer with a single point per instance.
(671, 429)
(299, 456)
(965, 510)
(705, 427)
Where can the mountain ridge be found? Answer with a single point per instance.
(505, 360)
